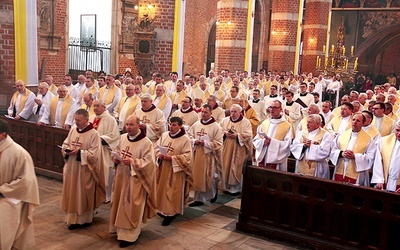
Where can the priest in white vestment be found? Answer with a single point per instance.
(42, 100)
(162, 101)
(22, 102)
(273, 139)
(311, 148)
(60, 112)
(126, 106)
(352, 154)
(386, 168)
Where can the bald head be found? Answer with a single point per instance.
(132, 125)
(62, 91)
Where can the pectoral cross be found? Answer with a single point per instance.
(125, 153)
(76, 143)
(169, 147)
(201, 133)
(145, 120)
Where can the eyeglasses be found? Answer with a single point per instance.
(272, 107)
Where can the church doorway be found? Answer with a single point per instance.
(211, 49)
(256, 38)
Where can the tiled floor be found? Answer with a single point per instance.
(212, 226)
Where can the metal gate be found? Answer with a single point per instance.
(89, 54)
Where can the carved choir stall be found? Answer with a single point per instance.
(317, 213)
(42, 144)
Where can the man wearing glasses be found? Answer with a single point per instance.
(186, 113)
(268, 99)
(273, 139)
(382, 122)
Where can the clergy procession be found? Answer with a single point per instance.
(154, 148)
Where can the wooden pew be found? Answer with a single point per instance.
(317, 213)
(41, 142)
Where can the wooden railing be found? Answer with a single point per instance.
(41, 142)
(318, 213)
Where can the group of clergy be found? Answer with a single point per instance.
(183, 135)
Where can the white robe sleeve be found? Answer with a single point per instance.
(70, 116)
(46, 115)
(297, 147)
(278, 151)
(335, 153)
(117, 97)
(167, 109)
(377, 171)
(322, 151)
(364, 161)
(258, 143)
(27, 110)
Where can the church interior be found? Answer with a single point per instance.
(321, 37)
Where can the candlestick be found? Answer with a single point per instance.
(344, 50)
(316, 63)
(333, 62)
(323, 48)
(333, 49)
(352, 50)
(319, 62)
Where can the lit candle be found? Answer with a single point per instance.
(319, 62)
(323, 48)
(352, 50)
(316, 63)
(344, 50)
(356, 63)
(333, 49)
(333, 62)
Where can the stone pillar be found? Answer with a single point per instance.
(282, 48)
(314, 33)
(230, 45)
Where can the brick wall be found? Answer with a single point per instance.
(314, 35)
(283, 35)
(164, 21)
(125, 62)
(390, 61)
(199, 19)
(7, 65)
(56, 59)
(231, 38)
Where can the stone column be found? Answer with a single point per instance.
(230, 45)
(314, 33)
(282, 48)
